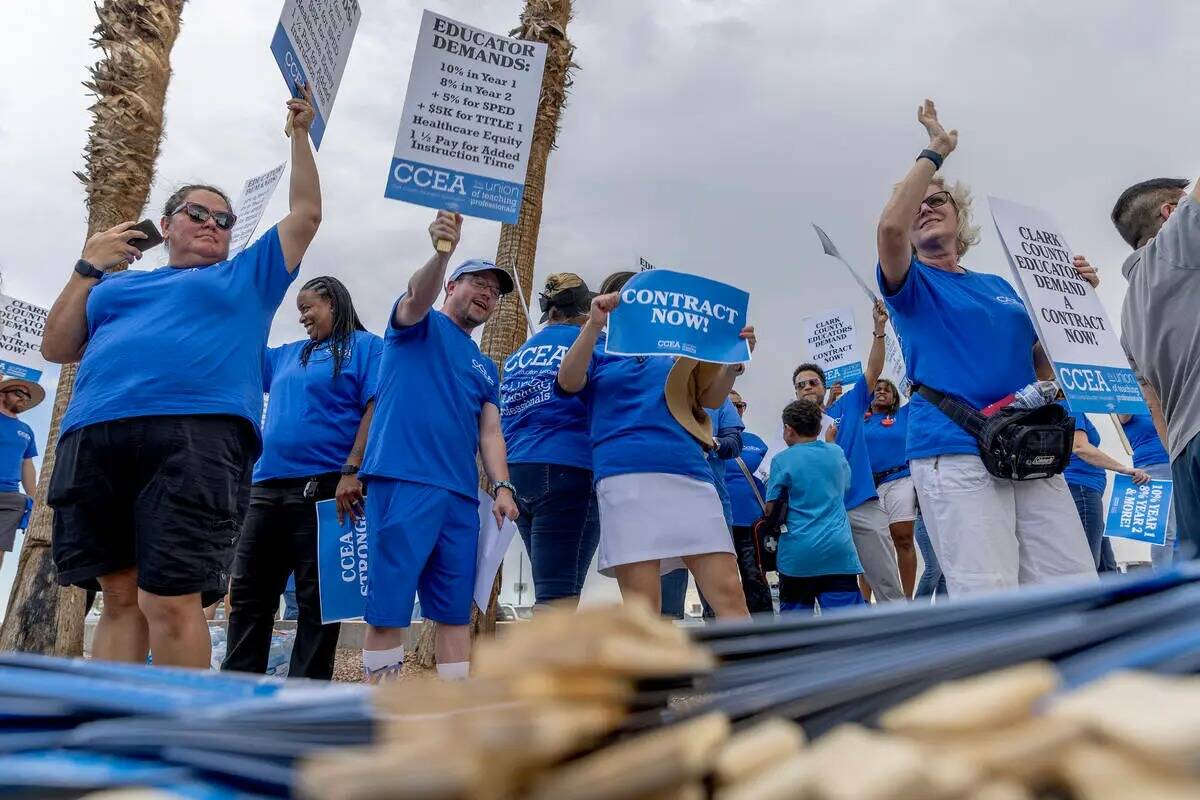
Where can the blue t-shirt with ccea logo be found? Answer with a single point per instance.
(1079, 471)
(966, 334)
(312, 416)
(1143, 440)
(433, 385)
(818, 541)
(542, 426)
(186, 340)
(847, 413)
(631, 429)
(885, 434)
(17, 443)
(741, 497)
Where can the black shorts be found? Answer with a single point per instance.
(164, 494)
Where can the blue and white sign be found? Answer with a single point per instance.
(1139, 512)
(1071, 323)
(833, 345)
(464, 137)
(311, 44)
(21, 327)
(341, 564)
(665, 313)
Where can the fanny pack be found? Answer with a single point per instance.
(1018, 444)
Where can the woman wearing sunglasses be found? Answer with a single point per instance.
(154, 463)
(967, 334)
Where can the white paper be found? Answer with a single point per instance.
(256, 193)
(493, 544)
(833, 345)
(21, 327)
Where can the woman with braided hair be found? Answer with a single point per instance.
(322, 390)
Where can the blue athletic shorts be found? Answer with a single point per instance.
(422, 541)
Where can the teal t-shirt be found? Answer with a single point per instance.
(818, 540)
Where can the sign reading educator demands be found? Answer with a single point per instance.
(21, 327)
(341, 564)
(311, 44)
(250, 207)
(464, 137)
(1139, 512)
(665, 313)
(1088, 360)
(833, 345)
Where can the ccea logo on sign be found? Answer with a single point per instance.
(439, 180)
(1082, 379)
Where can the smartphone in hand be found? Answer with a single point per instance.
(153, 237)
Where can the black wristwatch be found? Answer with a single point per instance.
(87, 270)
(349, 469)
(934, 156)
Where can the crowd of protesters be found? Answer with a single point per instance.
(171, 487)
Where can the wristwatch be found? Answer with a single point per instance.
(349, 469)
(498, 485)
(87, 270)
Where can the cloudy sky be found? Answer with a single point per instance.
(701, 135)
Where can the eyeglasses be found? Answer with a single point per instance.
(21, 393)
(937, 200)
(200, 215)
(480, 283)
(804, 383)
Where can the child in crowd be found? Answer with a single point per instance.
(818, 565)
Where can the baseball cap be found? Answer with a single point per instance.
(483, 265)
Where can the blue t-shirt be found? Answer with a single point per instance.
(433, 384)
(186, 340)
(313, 417)
(964, 334)
(885, 435)
(745, 505)
(16, 444)
(818, 541)
(1079, 471)
(1143, 439)
(542, 426)
(725, 421)
(631, 429)
(848, 413)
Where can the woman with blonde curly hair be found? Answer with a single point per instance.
(967, 334)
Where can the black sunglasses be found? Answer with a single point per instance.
(200, 215)
(938, 199)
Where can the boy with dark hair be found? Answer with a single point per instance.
(818, 564)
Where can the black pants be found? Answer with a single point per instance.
(279, 538)
(1185, 474)
(754, 580)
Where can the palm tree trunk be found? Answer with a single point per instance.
(130, 85)
(542, 21)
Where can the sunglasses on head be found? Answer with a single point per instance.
(938, 199)
(200, 215)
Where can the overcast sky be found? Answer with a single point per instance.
(701, 135)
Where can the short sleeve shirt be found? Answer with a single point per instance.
(17, 443)
(818, 541)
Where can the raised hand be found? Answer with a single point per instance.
(106, 249)
(747, 333)
(602, 306)
(941, 141)
(1086, 271)
(446, 227)
(879, 314)
(300, 109)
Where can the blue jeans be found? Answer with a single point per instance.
(1185, 472)
(291, 609)
(559, 524)
(1090, 505)
(932, 581)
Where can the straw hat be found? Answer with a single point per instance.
(36, 393)
(685, 384)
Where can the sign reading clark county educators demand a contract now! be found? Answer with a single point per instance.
(21, 328)
(665, 313)
(464, 137)
(250, 207)
(833, 345)
(311, 45)
(1074, 330)
(1139, 512)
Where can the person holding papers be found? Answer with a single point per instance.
(658, 507)
(153, 469)
(438, 407)
(18, 446)
(885, 426)
(967, 334)
(1150, 455)
(321, 392)
(549, 453)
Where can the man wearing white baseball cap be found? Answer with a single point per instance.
(18, 446)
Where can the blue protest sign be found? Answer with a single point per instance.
(1139, 512)
(665, 313)
(341, 564)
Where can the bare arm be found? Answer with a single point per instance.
(28, 477)
(494, 455)
(1098, 458)
(1041, 363)
(297, 229)
(349, 493)
(426, 283)
(895, 251)
(359, 448)
(1156, 413)
(875, 357)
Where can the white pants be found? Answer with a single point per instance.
(990, 533)
(873, 541)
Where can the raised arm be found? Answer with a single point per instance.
(573, 371)
(895, 251)
(426, 283)
(494, 456)
(1098, 458)
(875, 358)
(297, 229)
(66, 331)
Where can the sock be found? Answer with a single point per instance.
(380, 664)
(454, 671)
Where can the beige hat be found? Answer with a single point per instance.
(36, 393)
(686, 383)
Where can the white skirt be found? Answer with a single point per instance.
(652, 516)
